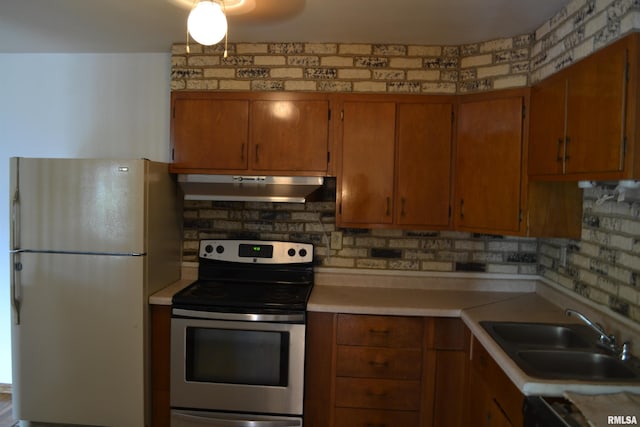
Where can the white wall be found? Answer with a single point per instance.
(76, 105)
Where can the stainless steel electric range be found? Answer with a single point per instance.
(238, 334)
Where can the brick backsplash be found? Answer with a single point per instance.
(390, 249)
(603, 266)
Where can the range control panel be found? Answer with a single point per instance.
(256, 251)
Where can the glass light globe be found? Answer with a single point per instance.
(207, 23)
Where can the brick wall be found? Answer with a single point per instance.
(579, 29)
(338, 67)
(314, 222)
(603, 266)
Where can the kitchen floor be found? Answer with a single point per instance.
(6, 420)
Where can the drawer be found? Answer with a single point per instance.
(402, 395)
(379, 362)
(346, 417)
(380, 331)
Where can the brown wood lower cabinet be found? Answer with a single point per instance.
(494, 400)
(391, 371)
(347, 417)
(160, 350)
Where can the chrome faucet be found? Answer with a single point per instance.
(609, 341)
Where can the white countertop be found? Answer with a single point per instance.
(472, 297)
(405, 302)
(531, 308)
(163, 296)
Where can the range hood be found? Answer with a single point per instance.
(242, 188)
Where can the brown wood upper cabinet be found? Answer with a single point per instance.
(584, 118)
(250, 132)
(492, 192)
(488, 180)
(395, 161)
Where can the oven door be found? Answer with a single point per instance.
(241, 366)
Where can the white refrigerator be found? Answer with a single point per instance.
(91, 239)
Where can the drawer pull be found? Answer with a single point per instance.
(379, 393)
(377, 364)
(379, 331)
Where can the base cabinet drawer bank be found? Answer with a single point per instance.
(392, 371)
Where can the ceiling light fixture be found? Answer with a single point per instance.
(207, 23)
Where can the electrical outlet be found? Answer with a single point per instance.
(563, 256)
(336, 240)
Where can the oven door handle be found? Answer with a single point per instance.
(213, 421)
(245, 317)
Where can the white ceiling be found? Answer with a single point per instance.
(154, 25)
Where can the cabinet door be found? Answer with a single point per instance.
(210, 133)
(596, 112)
(547, 130)
(319, 369)
(488, 165)
(289, 135)
(424, 164)
(160, 364)
(366, 181)
(450, 385)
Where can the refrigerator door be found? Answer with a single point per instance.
(78, 205)
(78, 352)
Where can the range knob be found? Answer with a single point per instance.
(291, 252)
(219, 249)
(208, 249)
(302, 252)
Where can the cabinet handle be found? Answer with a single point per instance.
(482, 361)
(566, 149)
(402, 206)
(379, 331)
(242, 152)
(257, 151)
(376, 364)
(559, 152)
(461, 208)
(373, 393)
(388, 210)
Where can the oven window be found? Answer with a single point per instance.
(237, 356)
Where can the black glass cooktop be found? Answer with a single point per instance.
(211, 295)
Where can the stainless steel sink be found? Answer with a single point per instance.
(537, 335)
(577, 364)
(561, 351)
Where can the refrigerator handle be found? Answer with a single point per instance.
(15, 283)
(15, 215)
